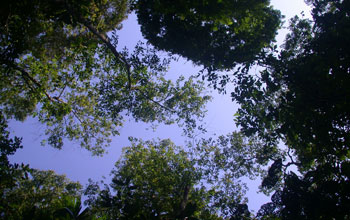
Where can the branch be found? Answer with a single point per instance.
(25, 75)
(184, 200)
(290, 156)
(156, 102)
(104, 38)
(77, 116)
(291, 159)
(28, 84)
(62, 91)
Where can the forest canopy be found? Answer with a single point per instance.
(60, 64)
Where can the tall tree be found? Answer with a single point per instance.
(159, 180)
(302, 96)
(223, 163)
(302, 99)
(59, 65)
(152, 181)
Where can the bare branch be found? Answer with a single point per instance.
(291, 159)
(290, 156)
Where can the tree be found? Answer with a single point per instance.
(152, 181)
(223, 162)
(322, 193)
(10, 173)
(37, 196)
(33, 194)
(8, 146)
(316, 195)
(59, 65)
(301, 99)
(216, 34)
(159, 180)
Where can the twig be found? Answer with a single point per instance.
(62, 91)
(156, 102)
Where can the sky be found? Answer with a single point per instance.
(78, 164)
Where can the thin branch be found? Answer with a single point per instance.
(166, 97)
(156, 102)
(76, 115)
(107, 42)
(105, 39)
(152, 100)
(59, 96)
(26, 75)
(291, 163)
(291, 159)
(28, 84)
(290, 156)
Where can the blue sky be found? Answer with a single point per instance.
(78, 164)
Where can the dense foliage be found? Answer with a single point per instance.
(151, 180)
(216, 34)
(301, 99)
(159, 180)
